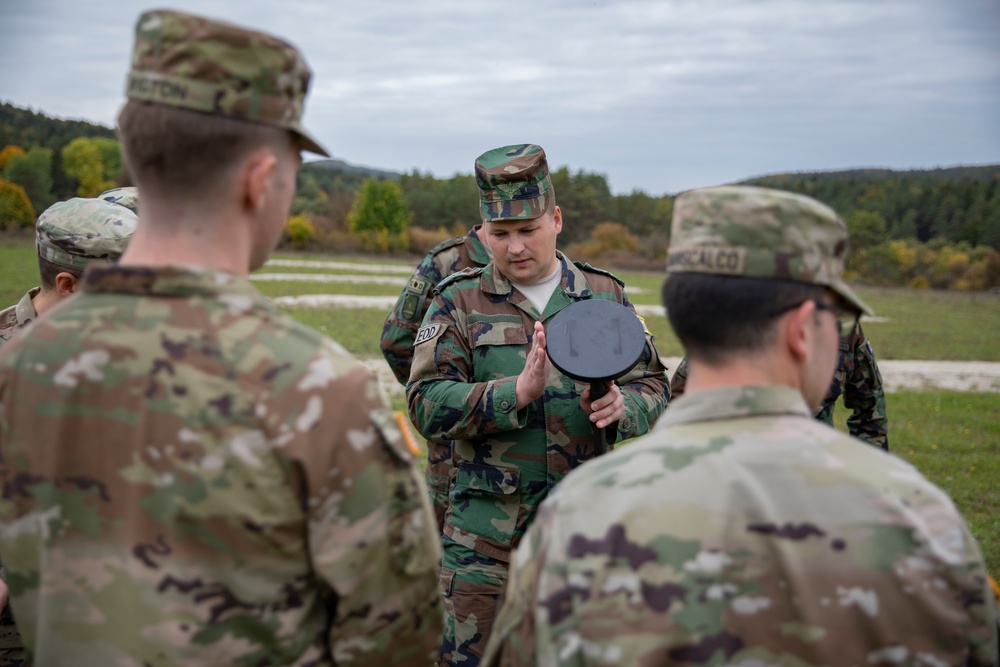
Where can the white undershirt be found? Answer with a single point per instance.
(540, 291)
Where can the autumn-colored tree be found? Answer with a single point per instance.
(33, 172)
(299, 230)
(15, 207)
(6, 153)
(379, 216)
(95, 163)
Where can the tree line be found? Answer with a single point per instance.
(924, 228)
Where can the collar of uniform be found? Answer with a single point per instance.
(478, 252)
(733, 403)
(573, 282)
(179, 281)
(25, 309)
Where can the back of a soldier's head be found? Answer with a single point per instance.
(72, 235)
(739, 257)
(203, 94)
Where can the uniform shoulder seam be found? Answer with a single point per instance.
(464, 274)
(447, 243)
(586, 266)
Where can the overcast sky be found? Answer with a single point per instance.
(660, 95)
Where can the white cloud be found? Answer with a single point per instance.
(658, 95)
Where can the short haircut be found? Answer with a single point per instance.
(47, 272)
(169, 150)
(720, 317)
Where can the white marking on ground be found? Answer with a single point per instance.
(328, 278)
(898, 375)
(377, 280)
(341, 300)
(343, 266)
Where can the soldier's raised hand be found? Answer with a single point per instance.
(531, 382)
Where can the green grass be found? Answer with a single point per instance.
(18, 268)
(358, 330)
(274, 288)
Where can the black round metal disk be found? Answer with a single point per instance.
(595, 340)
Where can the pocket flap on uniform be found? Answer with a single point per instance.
(489, 479)
(498, 330)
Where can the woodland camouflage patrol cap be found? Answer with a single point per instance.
(127, 197)
(760, 233)
(513, 183)
(79, 231)
(220, 69)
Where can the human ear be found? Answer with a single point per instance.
(258, 172)
(798, 330)
(66, 283)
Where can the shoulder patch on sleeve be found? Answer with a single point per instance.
(417, 285)
(429, 332)
(585, 266)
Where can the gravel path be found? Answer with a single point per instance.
(978, 376)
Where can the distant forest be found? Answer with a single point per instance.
(957, 206)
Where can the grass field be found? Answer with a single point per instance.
(952, 437)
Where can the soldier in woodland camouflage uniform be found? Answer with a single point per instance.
(863, 395)
(69, 236)
(857, 377)
(401, 327)
(741, 531)
(190, 476)
(481, 377)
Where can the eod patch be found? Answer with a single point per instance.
(428, 332)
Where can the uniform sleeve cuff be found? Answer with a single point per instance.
(505, 411)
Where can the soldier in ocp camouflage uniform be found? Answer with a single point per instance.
(481, 377)
(863, 394)
(448, 257)
(190, 476)
(69, 236)
(742, 531)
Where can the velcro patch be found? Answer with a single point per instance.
(427, 333)
(417, 285)
(410, 303)
(727, 261)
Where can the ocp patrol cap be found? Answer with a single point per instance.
(220, 69)
(76, 232)
(760, 233)
(514, 183)
(127, 197)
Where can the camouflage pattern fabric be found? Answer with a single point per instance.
(217, 68)
(857, 378)
(77, 232)
(864, 394)
(127, 197)
(467, 354)
(514, 183)
(743, 532)
(193, 478)
(401, 327)
(11, 321)
(15, 317)
(760, 233)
